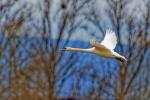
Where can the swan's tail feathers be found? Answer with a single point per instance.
(121, 59)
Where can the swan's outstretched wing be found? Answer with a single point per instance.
(110, 39)
(99, 46)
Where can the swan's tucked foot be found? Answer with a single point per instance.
(121, 59)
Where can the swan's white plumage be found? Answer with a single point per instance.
(110, 39)
(104, 49)
(99, 46)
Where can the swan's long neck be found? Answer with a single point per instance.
(90, 50)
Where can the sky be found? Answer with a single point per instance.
(79, 34)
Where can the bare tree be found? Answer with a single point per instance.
(129, 77)
(36, 75)
(32, 67)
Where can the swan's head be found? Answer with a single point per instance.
(66, 48)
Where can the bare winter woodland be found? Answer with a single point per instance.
(32, 68)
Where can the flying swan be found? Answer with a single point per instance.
(104, 49)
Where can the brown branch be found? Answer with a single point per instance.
(135, 73)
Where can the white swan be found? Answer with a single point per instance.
(104, 49)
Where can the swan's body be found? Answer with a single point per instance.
(104, 49)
